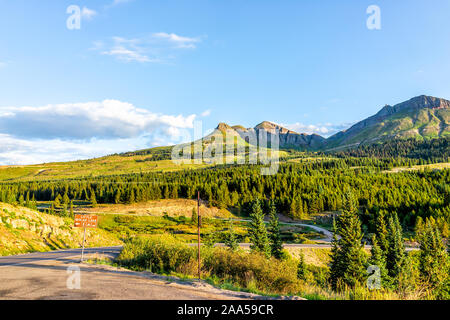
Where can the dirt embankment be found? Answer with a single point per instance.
(24, 230)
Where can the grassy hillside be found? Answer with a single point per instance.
(109, 165)
(24, 230)
(141, 161)
(415, 118)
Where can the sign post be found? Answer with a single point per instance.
(199, 222)
(84, 241)
(85, 221)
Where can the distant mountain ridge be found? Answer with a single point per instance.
(422, 117)
(288, 138)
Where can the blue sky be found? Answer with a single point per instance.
(137, 72)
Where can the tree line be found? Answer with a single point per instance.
(298, 189)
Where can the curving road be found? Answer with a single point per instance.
(326, 233)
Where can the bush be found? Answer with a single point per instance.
(162, 254)
(252, 270)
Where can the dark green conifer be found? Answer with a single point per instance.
(231, 240)
(301, 267)
(276, 244)
(258, 231)
(395, 254)
(348, 258)
(433, 259)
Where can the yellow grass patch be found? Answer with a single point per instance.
(433, 166)
(314, 256)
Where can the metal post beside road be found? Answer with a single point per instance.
(85, 221)
(199, 222)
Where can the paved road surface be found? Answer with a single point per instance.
(31, 258)
(326, 233)
(45, 275)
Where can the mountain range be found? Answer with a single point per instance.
(422, 117)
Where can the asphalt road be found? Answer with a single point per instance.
(46, 276)
(31, 258)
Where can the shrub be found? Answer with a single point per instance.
(252, 270)
(162, 254)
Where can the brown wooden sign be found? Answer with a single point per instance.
(85, 221)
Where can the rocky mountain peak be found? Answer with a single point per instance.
(414, 104)
(223, 127)
(271, 127)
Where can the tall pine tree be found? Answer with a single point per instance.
(395, 254)
(231, 240)
(258, 231)
(348, 258)
(433, 259)
(381, 231)
(276, 244)
(378, 258)
(302, 269)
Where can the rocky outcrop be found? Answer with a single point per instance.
(288, 138)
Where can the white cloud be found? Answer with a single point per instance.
(125, 50)
(3, 64)
(176, 40)
(88, 13)
(108, 119)
(16, 151)
(325, 130)
(71, 131)
(117, 2)
(206, 113)
(157, 48)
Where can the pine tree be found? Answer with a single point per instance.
(276, 244)
(231, 240)
(194, 216)
(336, 268)
(348, 257)
(395, 254)
(419, 225)
(382, 232)
(131, 198)
(52, 209)
(27, 201)
(21, 200)
(117, 197)
(433, 259)
(64, 211)
(93, 199)
(301, 267)
(33, 203)
(257, 230)
(57, 201)
(209, 240)
(293, 209)
(66, 199)
(378, 259)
